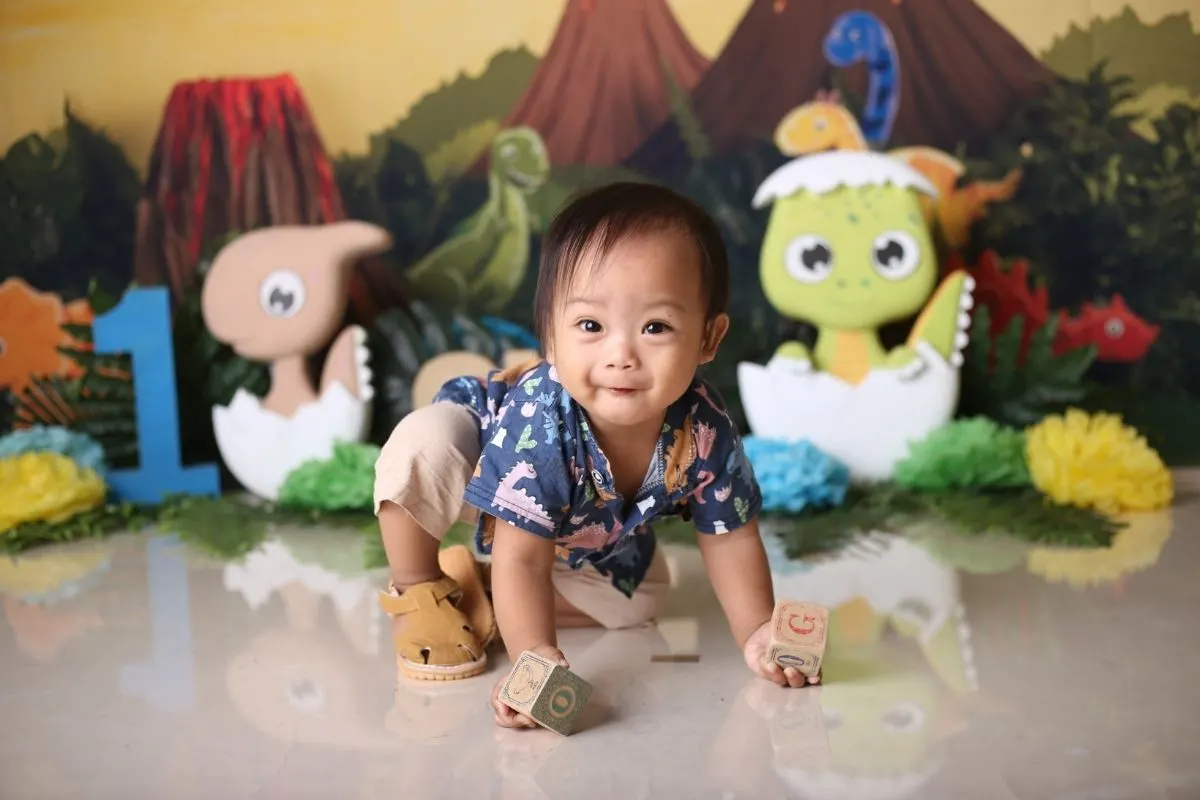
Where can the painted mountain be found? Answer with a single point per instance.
(600, 90)
(961, 74)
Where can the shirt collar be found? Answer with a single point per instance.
(600, 473)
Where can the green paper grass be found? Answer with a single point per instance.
(1023, 514)
(226, 527)
(92, 524)
(981, 554)
(344, 482)
(811, 538)
(229, 527)
(966, 453)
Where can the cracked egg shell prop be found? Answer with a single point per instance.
(848, 250)
(277, 295)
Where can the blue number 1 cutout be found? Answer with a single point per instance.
(140, 325)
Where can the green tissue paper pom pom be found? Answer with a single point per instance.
(966, 453)
(342, 483)
(979, 553)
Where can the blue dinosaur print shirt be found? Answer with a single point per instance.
(542, 471)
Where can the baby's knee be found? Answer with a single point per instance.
(430, 455)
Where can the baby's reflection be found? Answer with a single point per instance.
(304, 680)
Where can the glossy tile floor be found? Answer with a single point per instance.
(136, 668)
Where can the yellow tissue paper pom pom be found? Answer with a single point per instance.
(49, 573)
(1096, 461)
(45, 487)
(1134, 547)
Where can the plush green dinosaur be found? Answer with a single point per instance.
(484, 261)
(847, 249)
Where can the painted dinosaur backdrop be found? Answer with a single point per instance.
(1066, 156)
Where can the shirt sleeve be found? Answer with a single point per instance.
(522, 476)
(465, 391)
(727, 495)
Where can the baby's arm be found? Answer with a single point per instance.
(741, 577)
(737, 567)
(522, 592)
(523, 597)
(724, 508)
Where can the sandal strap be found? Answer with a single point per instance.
(419, 596)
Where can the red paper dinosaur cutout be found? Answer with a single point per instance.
(1118, 333)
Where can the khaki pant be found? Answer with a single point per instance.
(424, 468)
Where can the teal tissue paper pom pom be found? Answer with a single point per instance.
(794, 476)
(79, 447)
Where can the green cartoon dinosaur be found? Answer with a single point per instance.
(484, 261)
(848, 250)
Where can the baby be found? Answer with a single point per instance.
(564, 463)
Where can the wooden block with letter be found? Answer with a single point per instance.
(798, 635)
(547, 693)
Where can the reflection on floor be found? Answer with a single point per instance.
(957, 668)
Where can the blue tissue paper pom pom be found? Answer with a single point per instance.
(794, 476)
(80, 448)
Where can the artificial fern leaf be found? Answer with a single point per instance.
(1006, 356)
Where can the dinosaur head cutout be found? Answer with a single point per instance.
(847, 246)
(1118, 333)
(824, 123)
(282, 291)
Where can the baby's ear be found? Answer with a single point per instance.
(714, 333)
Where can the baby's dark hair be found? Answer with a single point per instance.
(597, 219)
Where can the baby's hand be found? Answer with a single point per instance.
(507, 718)
(755, 653)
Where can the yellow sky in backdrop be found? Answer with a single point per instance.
(360, 67)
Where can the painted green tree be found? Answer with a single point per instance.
(69, 201)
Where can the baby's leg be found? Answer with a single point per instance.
(420, 476)
(585, 598)
(441, 626)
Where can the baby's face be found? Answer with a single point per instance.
(629, 332)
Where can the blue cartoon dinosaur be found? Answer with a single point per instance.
(862, 36)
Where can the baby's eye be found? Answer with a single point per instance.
(589, 325)
(655, 328)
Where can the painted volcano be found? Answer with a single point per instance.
(961, 74)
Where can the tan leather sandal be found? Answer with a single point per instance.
(450, 623)
(458, 563)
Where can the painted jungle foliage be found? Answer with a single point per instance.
(1066, 160)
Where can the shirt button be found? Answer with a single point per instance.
(597, 477)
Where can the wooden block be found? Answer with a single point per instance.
(547, 693)
(798, 635)
(798, 734)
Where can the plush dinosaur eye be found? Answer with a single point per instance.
(281, 293)
(903, 717)
(1114, 328)
(808, 259)
(895, 254)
